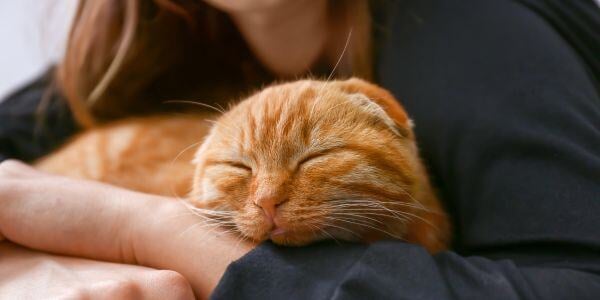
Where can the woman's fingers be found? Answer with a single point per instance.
(147, 284)
(165, 284)
(26, 274)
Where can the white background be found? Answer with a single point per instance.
(32, 35)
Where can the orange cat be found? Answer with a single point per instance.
(294, 163)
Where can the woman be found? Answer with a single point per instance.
(504, 95)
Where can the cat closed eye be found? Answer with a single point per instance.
(315, 155)
(240, 166)
(234, 164)
(308, 158)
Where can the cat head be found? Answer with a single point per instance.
(310, 160)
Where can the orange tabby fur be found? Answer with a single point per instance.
(296, 163)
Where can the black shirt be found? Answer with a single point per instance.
(505, 99)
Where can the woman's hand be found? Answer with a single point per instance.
(99, 221)
(25, 274)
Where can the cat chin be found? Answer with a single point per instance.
(288, 238)
(291, 241)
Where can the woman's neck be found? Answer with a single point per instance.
(287, 38)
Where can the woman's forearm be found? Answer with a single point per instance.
(61, 215)
(174, 238)
(98, 221)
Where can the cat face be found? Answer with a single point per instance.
(311, 160)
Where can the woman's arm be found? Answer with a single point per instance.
(97, 221)
(26, 274)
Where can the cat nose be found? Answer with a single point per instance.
(269, 205)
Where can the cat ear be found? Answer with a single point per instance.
(384, 102)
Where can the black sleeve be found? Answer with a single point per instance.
(507, 116)
(34, 120)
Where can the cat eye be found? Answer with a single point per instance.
(317, 154)
(234, 164)
(239, 165)
(309, 158)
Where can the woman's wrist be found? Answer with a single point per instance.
(167, 235)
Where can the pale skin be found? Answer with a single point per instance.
(286, 36)
(27, 274)
(104, 223)
(96, 221)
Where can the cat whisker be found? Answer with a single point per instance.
(211, 212)
(320, 93)
(393, 212)
(368, 202)
(350, 221)
(411, 197)
(214, 217)
(362, 215)
(170, 167)
(403, 214)
(221, 111)
(203, 224)
(341, 55)
(325, 232)
(384, 215)
(352, 232)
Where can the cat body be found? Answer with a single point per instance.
(145, 154)
(294, 163)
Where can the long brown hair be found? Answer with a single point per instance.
(126, 56)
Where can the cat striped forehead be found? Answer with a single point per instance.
(367, 98)
(287, 113)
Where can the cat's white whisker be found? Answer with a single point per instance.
(201, 224)
(221, 111)
(335, 67)
(337, 63)
(356, 215)
(352, 232)
(368, 202)
(403, 214)
(368, 226)
(325, 232)
(171, 186)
